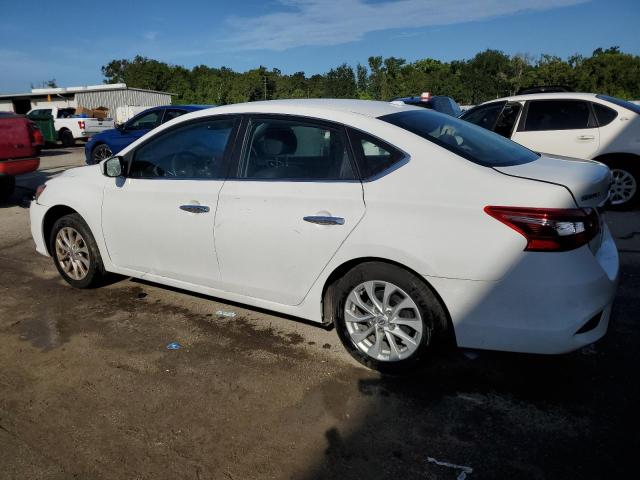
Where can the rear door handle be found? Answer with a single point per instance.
(320, 220)
(586, 137)
(195, 208)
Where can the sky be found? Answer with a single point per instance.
(73, 40)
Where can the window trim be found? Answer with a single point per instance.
(525, 114)
(238, 158)
(172, 109)
(129, 158)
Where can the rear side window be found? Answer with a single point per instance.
(295, 150)
(462, 138)
(635, 108)
(558, 115)
(507, 120)
(375, 157)
(484, 116)
(171, 114)
(605, 115)
(194, 151)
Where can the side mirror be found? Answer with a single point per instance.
(113, 167)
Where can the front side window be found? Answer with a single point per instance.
(147, 121)
(484, 116)
(465, 139)
(196, 150)
(295, 150)
(558, 115)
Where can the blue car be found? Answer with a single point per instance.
(110, 142)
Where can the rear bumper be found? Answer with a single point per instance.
(19, 166)
(548, 303)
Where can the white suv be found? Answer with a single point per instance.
(580, 125)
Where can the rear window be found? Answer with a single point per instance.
(462, 138)
(621, 103)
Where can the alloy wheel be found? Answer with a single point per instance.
(72, 253)
(623, 186)
(383, 321)
(101, 152)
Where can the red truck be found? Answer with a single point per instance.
(20, 144)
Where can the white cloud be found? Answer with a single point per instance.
(334, 22)
(151, 36)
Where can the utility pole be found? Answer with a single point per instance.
(264, 82)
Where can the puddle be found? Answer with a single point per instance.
(43, 333)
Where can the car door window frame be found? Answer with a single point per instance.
(226, 157)
(244, 137)
(592, 122)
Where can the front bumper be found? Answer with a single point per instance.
(543, 304)
(36, 217)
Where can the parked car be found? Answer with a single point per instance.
(439, 103)
(20, 144)
(112, 141)
(399, 225)
(580, 125)
(67, 128)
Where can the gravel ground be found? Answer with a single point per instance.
(88, 389)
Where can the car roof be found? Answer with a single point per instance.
(368, 108)
(547, 96)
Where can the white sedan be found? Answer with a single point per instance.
(401, 226)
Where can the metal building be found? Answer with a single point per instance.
(110, 96)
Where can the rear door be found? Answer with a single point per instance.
(559, 127)
(292, 199)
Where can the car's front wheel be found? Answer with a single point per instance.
(75, 252)
(385, 316)
(101, 152)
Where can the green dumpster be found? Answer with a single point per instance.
(45, 123)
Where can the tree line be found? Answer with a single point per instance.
(489, 74)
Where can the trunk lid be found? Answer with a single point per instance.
(587, 180)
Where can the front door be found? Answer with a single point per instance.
(159, 219)
(294, 200)
(559, 127)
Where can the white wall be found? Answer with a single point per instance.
(6, 106)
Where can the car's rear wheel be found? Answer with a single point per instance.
(385, 316)
(101, 152)
(66, 137)
(75, 252)
(7, 187)
(625, 184)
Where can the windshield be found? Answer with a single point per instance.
(621, 103)
(462, 138)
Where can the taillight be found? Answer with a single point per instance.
(81, 124)
(550, 229)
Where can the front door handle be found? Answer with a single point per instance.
(195, 208)
(586, 137)
(320, 220)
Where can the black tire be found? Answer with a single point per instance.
(66, 137)
(95, 273)
(99, 151)
(625, 174)
(432, 313)
(7, 187)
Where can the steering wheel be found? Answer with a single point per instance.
(183, 165)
